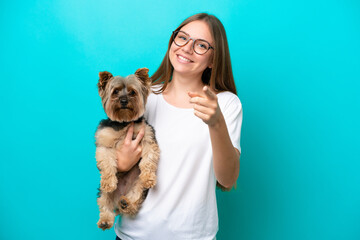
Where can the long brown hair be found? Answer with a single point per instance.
(220, 77)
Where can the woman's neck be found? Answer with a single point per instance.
(176, 92)
(184, 84)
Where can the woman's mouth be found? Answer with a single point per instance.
(183, 59)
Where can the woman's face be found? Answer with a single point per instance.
(184, 60)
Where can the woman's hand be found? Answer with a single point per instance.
(206, 106)
(130, 151)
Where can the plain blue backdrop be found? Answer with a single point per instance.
(296, 65)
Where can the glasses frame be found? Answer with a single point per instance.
(194, 40)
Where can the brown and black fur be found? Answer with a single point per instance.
(124, 102)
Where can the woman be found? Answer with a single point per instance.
(197, 119)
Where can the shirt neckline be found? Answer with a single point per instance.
(174, 107)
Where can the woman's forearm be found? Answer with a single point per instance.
(226, 158)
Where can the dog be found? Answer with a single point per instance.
(124, 99)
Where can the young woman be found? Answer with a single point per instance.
(197, 119)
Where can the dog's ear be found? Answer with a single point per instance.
(142, 74)
(104, 78)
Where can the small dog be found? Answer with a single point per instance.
(124, 102)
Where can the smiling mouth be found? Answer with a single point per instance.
(184, 59)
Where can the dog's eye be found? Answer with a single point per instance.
(132, 93)
(115, 91)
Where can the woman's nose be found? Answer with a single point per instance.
(188, 47)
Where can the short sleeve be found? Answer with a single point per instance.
(150, 109)
(231, 109)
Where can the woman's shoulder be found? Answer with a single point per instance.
(230, 105)
(228, 98)
(156, 88)
(154, 95)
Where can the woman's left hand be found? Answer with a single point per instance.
(206, 106)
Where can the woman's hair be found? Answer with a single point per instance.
(219, 77)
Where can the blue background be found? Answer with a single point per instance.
(296, 65)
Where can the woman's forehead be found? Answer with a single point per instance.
(198, 29)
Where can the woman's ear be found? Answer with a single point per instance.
(211, 64)
(211, 61)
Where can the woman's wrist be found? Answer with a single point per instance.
(218, 124)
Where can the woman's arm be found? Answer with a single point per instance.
(225, 156)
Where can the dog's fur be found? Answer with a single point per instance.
(124, 102)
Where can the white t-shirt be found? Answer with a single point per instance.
(182, 205)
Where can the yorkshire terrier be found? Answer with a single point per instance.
(124, 100)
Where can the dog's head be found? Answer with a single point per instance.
(124, 98)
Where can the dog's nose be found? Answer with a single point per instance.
(123, 100)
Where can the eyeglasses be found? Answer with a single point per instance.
(199, 46)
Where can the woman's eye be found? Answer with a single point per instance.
(202, 46)
(182, 37)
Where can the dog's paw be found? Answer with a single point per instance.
(148, 181)
(108, 186)
(126, 207)
(123, 203)
(105, 224)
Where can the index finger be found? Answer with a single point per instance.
(195, 94)
(209, 94)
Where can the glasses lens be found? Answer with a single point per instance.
(181, 39)
(201, 47)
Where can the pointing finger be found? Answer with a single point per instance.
(194, 94)
(209, 93)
